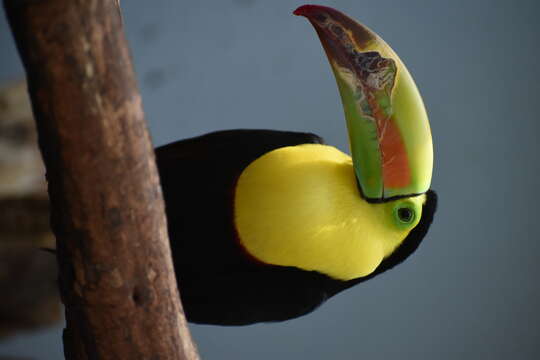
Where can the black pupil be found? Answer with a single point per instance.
(405, 214)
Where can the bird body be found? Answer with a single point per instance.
(221, 281)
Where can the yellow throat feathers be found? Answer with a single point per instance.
(300, 206)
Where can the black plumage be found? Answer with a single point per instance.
(219, 282)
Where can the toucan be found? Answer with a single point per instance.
(266, 225)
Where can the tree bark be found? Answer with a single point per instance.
(116, 275)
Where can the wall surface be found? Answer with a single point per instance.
(471, 291)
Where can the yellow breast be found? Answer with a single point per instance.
(300, 206)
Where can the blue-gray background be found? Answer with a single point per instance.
(471, 291)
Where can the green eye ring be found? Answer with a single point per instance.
(405, 214)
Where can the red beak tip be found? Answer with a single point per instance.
(299, 10)
(304, 10)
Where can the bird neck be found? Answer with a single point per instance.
(300, 206)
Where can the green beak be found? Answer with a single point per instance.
(388, 127)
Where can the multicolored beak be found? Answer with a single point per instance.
(388, 127)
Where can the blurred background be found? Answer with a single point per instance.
(471, 291)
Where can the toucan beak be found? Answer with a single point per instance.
(388, 127)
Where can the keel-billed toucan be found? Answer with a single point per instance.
(266, 225)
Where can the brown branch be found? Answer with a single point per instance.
(107, 212)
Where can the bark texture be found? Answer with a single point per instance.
(116, 275)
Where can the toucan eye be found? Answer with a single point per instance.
(405, 215)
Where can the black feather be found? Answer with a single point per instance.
(219, 282)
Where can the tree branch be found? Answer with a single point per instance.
(116, 275)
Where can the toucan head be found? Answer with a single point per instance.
(313, 207)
